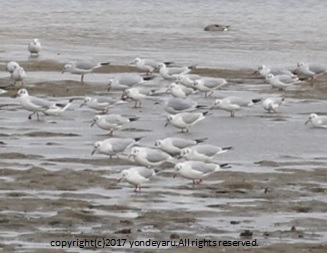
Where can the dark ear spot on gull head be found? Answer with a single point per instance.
(216, 28)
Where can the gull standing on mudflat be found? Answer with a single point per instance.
(136, 176)
(171, 73)
(209, 84)
(114, 146)
(197, 170)
(82, 68)
(111, 122)
(233, 103)
(19, 75)
(185, 120)
(180, 91)
(11, 66)
(34, 47)
(150, 157)
(317, 121)
(101, 103)
(271, 104)
(281, 81)
(174, 145)
(264, 71)
(137, 94)
(203, 152)
(310, 70)
(37, 105)
(178, 105)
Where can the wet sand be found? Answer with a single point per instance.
(51, 188)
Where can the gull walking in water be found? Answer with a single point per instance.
(150, 157)
(271, 104)
(281, 81)
(185, 120)
(34, 47)
(82, 68)
(209, 84)
(310, 70)
(37, 105)
(203, 152)
(317, 121)
(19, 75)
(136, 176)
(111, 122)
(114, 146)
(232, 104)
(101, 103)
(174, 145)
(196, 170)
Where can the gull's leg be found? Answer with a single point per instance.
(30, 116)
(82, 78)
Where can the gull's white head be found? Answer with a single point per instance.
(168, 119)
(185, 151)
(177, 168)
(22, 93)
(67, 67)
(158, 143)
(311, 117)
(123, 175)
(161, 65)
(269, 76)
(96, 147)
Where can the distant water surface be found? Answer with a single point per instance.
(279, 32)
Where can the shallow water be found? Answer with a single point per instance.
(271, 32)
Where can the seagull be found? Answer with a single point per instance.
(137, 94)
(11, 66)
(197, 170)
(281, 81)
(136, 176)
(111, 122)
(113, 146)
(317, 121)
(34, 47)
(310, 70)
(272, 103)
(263, 70)
(127, 80)
(177, 90)
(150, 157)
(147, 65)
(203, 152)
(37, 105)
(82, 68)
(232, 104)
(19, 75)
(209, 84)
(187, 80)
(101, 103)
(171, 73)
(174, 145)
(185, 120)
(178, 105)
